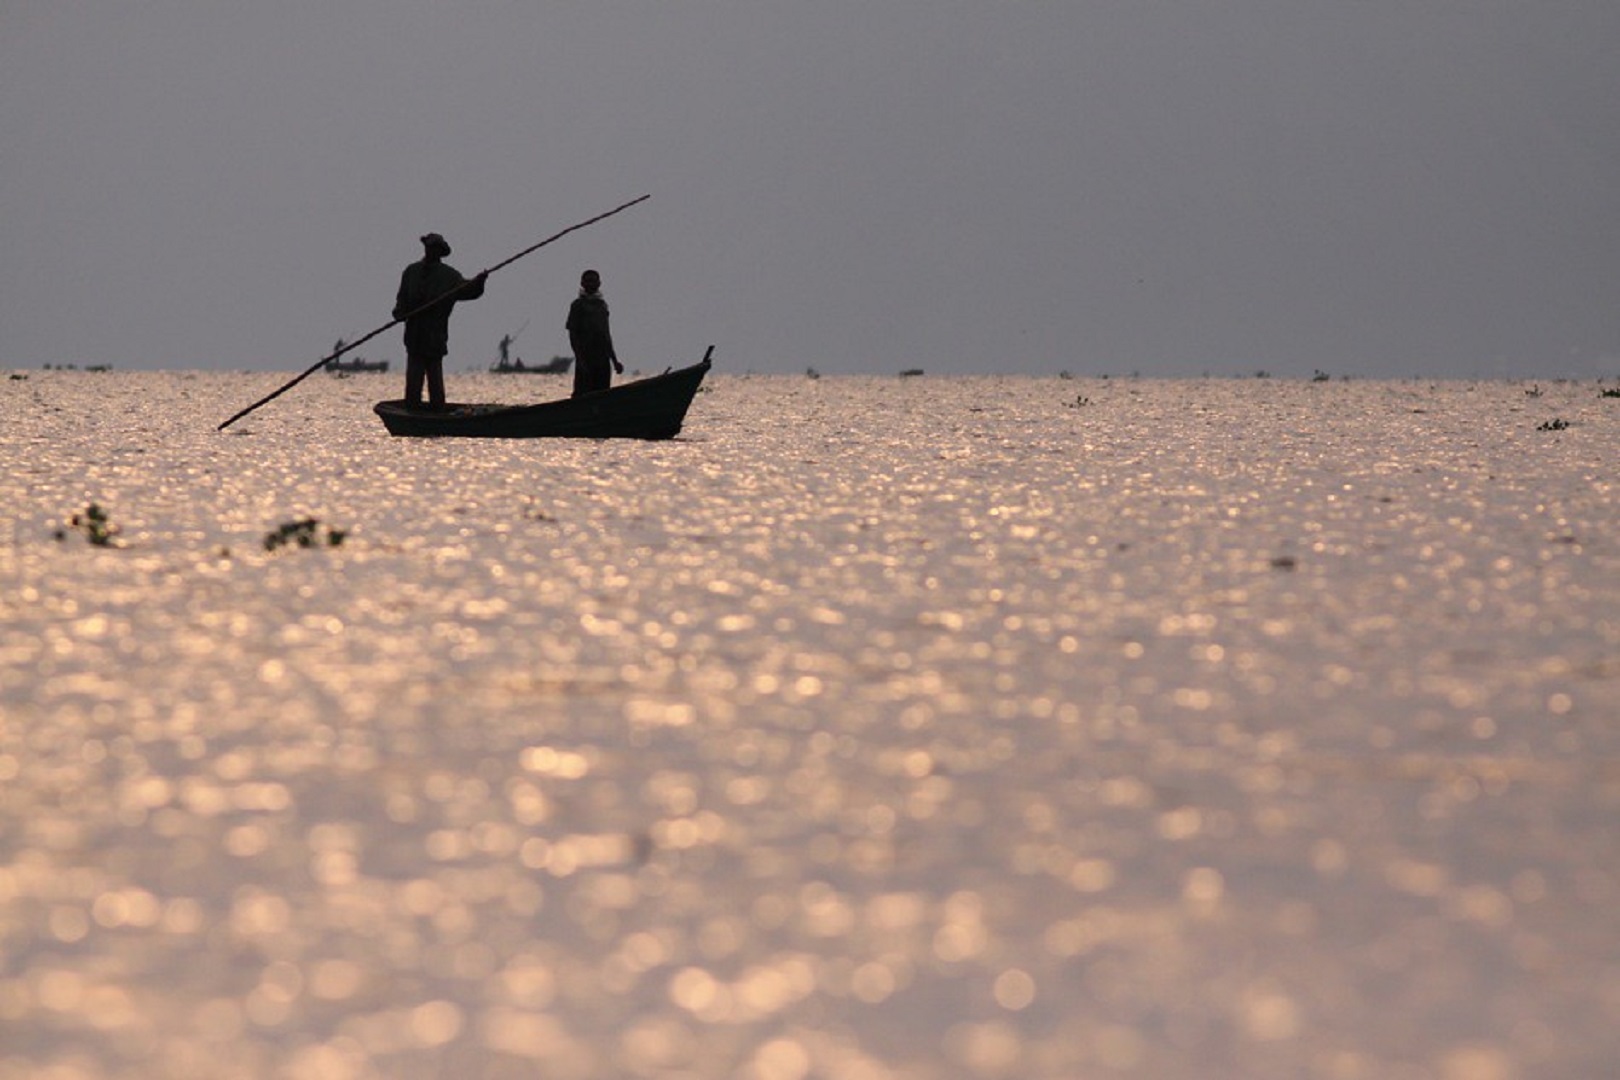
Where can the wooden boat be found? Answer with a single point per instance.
(350, 367)
(557, 365)
(652, 408)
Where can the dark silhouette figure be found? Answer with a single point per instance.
(427, 333)
(588, 333)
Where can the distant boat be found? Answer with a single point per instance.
(653, 408)
(358, 364)
(557, 365)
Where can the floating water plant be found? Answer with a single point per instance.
(304, 533)
(96, 526)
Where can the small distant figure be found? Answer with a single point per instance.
(427, 333)
(506, 363)
(588, 333)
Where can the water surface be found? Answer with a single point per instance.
(981, 727)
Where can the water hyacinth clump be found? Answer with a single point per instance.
(94, 523)
(303, 533)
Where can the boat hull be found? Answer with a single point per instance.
(653, 408)
(557, 365)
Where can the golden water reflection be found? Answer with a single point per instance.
(1211, 730)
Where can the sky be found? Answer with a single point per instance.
(1378, 188)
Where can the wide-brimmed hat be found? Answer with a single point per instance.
(433, 240)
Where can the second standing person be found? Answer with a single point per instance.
(590, 337)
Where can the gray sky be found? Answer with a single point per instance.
(1377, 187)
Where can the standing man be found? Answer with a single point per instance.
(589, 335)
(427, 333)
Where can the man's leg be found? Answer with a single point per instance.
(415, 369)
(435, 380)
(590, 375)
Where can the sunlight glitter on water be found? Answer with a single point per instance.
(936, 727)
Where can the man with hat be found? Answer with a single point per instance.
(427, 324)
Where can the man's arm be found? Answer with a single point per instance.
(474, 287)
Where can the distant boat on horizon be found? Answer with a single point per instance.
(557, 365)
(358, 364)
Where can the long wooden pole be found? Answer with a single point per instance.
(323, 361)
